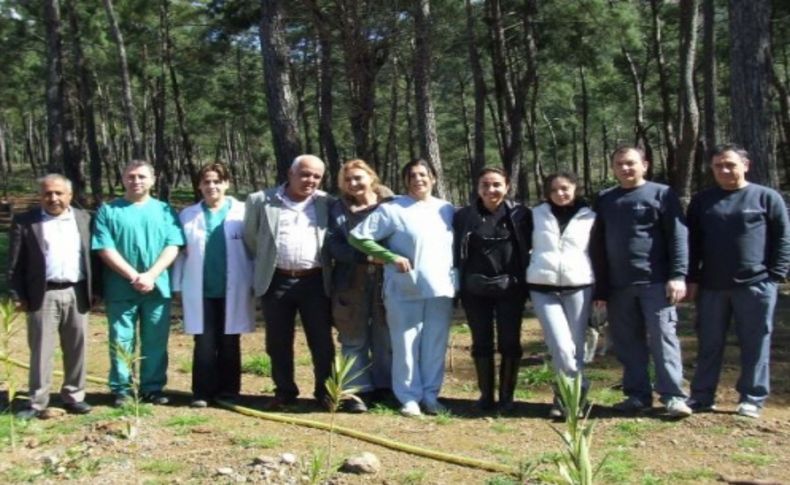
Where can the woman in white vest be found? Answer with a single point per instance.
(214, 275)
(560, 275)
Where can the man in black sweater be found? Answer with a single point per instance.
(739, 241)
(639, 254)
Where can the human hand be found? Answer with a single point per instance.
(676, 291)
(144, 283)
(402, 265)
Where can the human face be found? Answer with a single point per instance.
(562, 192)
(492, 189)
(55, 197)
(629, 167)
(729, 170)
(420, 182)
(304, 179)
(358, 184)
(213, 189)
(138, 182)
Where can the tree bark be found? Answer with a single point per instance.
(585, 112)
(280, 102)
(54, 90)
(426, 116)
(709, 74)
(138, 150)
(664, 90)
(479, 87)
(750, 75)
(689, 112)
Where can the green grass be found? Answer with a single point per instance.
(605, 396)
(379, 409)
(500, 427)
(460, 329)
(187, 420)
(693, 475)
(259, 365)
(444, 418)
(304, 360)
(537, 376)
(752, 458)
(618, 468)
(262, 442)
(162, 467)
(184, 365)
(413, 477)
(128, 410)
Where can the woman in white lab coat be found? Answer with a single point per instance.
(214, 275)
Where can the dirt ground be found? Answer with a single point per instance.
(177, 444)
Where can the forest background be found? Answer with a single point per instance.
(534, 86)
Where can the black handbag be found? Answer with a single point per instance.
(490, 286)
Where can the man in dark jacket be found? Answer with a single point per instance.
(739, 249)
(49, 275)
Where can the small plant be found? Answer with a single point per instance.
(338, 389)
(574, 463)
(313, 467)
(259, 365)
(130, 359)
(8, 316)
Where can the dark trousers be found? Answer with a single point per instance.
(216, 359)
(481, 312)
(284, 298)
(752, 309)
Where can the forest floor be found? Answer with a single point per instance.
(178, 444)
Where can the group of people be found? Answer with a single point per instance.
(384, 269)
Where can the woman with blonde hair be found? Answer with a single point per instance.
(357, 306)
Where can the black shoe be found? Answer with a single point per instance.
(157, 398)
(27, 414)
(77, 407)
(484, 366)
(508, 377)
(353, 406)
(120, 400)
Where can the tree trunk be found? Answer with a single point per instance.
(426, 116)
(186, 140)
(54, 91)
(585, 112)
(280, 103)
(750, 75)
(479, 86)
(689, 112)
(138, 150)
(664, 90)
(709, 73)
(159, 107)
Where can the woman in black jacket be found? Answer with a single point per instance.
(492, 253)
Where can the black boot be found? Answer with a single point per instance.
(485, 381)
(508, 376)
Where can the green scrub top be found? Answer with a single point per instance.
(215, 262)
(139, 232)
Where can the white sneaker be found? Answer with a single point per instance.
(677, 408)
(411, 410)
(748, 410)
(432, 408)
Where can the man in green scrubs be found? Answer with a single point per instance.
(137, 237)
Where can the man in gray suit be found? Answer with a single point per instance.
(49, 277)
(284, 229)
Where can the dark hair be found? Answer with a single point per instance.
(625, 148)
(496, 170)
(406, 170)
(719, 150)
(217, 167)
(550, 178)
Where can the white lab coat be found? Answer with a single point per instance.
(188, 271)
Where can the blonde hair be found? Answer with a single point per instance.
(356, 164)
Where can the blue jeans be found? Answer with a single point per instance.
(419, 330)
(752, 309)
(563, 317)
(642, 323)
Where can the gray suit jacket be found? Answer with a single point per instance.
(260, 236)
(27, 274)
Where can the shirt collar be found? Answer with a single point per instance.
(67, 215)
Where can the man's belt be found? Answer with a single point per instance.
(60, 285)
(298, 273)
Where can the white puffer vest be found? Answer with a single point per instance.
(560, 259)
